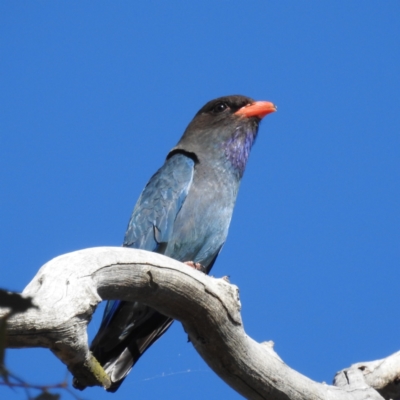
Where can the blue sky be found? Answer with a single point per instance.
(94, 94)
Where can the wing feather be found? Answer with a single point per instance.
(150, 228)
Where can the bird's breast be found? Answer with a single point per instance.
(201, 226)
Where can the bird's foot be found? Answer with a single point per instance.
(196, 266)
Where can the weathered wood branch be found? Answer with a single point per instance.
(68, 288)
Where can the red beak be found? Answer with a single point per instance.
(257, 109)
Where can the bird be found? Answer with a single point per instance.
(184, 212)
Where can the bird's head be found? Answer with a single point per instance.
(225, 128)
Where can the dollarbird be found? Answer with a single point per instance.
(184, 212)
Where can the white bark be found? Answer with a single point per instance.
(68, 288)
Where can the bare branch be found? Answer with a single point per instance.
(68, 288)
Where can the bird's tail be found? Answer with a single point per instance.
(117, 350)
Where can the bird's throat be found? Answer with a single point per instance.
(238, 148)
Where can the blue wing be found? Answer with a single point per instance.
(153, 217)
(150, 228)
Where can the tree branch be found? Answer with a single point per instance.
(68, 288)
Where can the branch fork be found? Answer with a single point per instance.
(68, 288)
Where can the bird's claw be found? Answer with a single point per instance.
(196, 266)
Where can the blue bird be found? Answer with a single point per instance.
(184, 212)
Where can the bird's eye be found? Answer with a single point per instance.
(219, 107)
